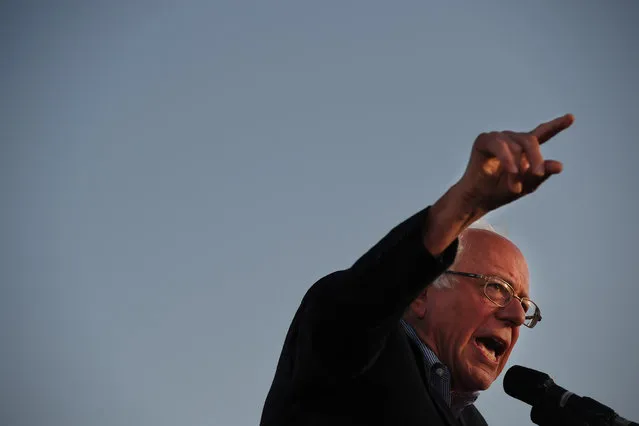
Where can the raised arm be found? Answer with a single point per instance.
(347, 315)
(503, 167)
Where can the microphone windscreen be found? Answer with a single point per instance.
(526, 384)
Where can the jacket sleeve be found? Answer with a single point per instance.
(344, 318)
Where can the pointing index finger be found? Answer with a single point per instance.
(547, 130)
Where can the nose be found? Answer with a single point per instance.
(513, 312)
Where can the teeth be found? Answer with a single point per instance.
(490, 354)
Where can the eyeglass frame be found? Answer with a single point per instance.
(536, 316)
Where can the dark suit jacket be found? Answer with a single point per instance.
(346, 361)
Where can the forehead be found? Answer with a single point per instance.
(485, 252)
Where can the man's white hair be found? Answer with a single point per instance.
(447, 281)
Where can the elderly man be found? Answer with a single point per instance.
(425, 319)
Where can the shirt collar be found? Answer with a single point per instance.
(439, 375)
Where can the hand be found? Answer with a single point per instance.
(505, 166)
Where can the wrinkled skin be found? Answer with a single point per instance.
(449, 319)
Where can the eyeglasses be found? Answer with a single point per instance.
(501, 294)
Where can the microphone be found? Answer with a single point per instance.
(553, 405)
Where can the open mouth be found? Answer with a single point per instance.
(492, 347)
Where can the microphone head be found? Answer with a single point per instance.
(526, 384)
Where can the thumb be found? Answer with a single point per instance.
(532, 182)
(552, 167)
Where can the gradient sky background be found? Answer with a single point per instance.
(175, 177)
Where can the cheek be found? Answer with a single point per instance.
(474, 317)
(455, 317)
(467, 319)
(474, 313)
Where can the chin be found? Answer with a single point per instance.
(476, 379)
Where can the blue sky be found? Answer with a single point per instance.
(176, 175)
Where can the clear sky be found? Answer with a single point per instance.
(175, 175)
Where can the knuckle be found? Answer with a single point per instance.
(524, 140)
(534, 139)
(514, 145)
(529, 141)
(488, 139)
(482, 137)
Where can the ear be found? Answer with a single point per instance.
(418, 306)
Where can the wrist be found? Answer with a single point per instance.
(465, 203)
(448, 217)
(460, 204)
